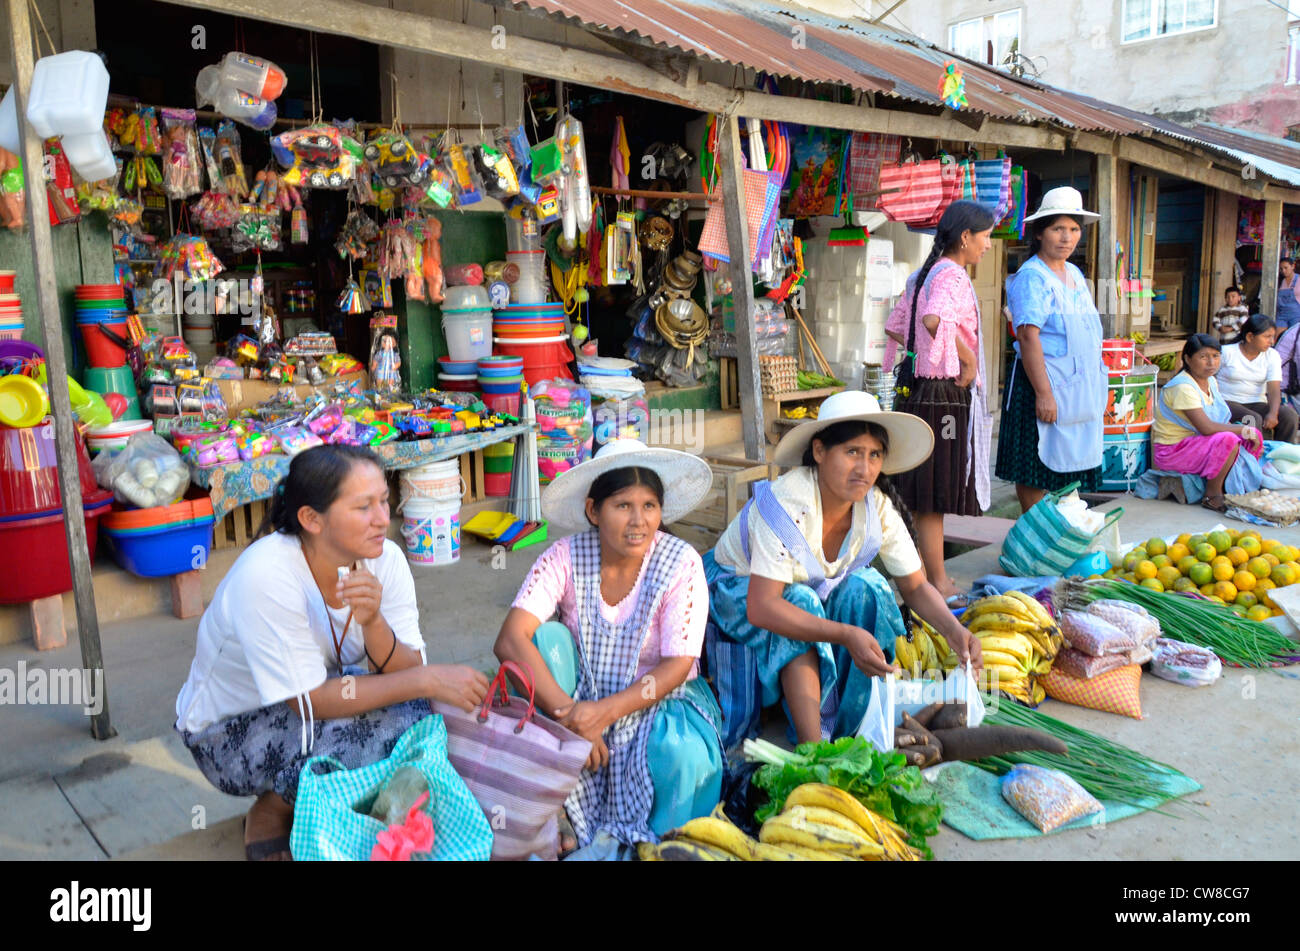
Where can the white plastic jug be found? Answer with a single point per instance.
(9, 140)
(69, 92)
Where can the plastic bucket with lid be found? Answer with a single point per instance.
(436, 482)
(431, 528)
(1130, 401)
(469, 335)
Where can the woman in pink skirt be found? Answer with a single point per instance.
(1191, 432)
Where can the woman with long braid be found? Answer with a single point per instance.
(937, 319)
(796, 612)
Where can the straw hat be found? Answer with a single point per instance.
(686, 478)
(910, 439)
(1063, 201)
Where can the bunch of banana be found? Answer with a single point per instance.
(924, 649)
(825, 823)
(713, 838)
(1019, 641)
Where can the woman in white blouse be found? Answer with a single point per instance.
(1250, 381)
(796, 611)
(304, 612)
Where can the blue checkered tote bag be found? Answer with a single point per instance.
(331, 818)
(1043, 542)
(992, 185)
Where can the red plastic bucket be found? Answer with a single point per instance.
(509, 403)
(496, 483)
(544, 359)
(34, 553)
(106, 343)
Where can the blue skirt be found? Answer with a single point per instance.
(745, 662)
(683, 752)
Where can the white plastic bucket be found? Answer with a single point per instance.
(431, 528)
(436, 482)
(469, 335)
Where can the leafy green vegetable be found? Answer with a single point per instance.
(883, 782)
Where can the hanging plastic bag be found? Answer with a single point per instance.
(182, 162)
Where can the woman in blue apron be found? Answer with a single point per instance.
(796, 612)
(1051, 426)
(1288, 295)
(621, 665)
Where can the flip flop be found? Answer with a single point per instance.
(958, 602)
(1220, 506)
(265, 849)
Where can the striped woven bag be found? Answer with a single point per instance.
(1044, 542)
(519, 765)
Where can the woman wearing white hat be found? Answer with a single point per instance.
(796, 612)
(1056, 392)
(621, 666)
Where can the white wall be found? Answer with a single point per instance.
(1233, 73)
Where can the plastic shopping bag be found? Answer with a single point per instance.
(891, 698)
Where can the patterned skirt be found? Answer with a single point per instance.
(941, 483)
(1018, 459)
(261, 750)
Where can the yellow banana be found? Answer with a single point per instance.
(1002, 622)
(827, 817)
(1017, 645)
(994, 658)
(719, 832)
(786, 829)
(941, 647)
(822, 796)
(1043, 666)
(905, 653)
(1039, 694)
(1035, 609)
(679, 850)
(998, 604)
(1042, 642)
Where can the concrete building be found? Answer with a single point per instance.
(1232, 62)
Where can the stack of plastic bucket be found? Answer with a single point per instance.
(199, 333)
(11, 309)
(161, 541)
(467, 322)
(33, 551)
(431, 513)
(457, 376)
(499, 380)
(101, 318)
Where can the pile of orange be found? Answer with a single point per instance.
(1231, 567)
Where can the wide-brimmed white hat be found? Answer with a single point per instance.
(1063, 201)
(910, 439)
(686, 478)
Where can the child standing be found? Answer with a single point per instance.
(1229, 318)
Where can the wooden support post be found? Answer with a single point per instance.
(1272, 255)
(47, 294)
(1108, 230)
(48, 629)
(187, 594)
(731, 165)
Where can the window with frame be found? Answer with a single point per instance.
(991, 39)
(1147, 19)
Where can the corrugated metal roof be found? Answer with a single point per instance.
(868, 57)
(858, 54)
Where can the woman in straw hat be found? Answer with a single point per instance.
(621, 666)
(1056, 391)
(795, 610)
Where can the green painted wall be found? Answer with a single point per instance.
(467, 238)
(83, 254)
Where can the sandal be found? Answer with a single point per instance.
(267, 849)
(1215, 503)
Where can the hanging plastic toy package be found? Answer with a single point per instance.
(229, 164)
(385, 358)
(353, 299)
(208, 148)
(256, 227)
(575, 195)
(356, 234)
(497, 172)
(466, 184)
(182, 164)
